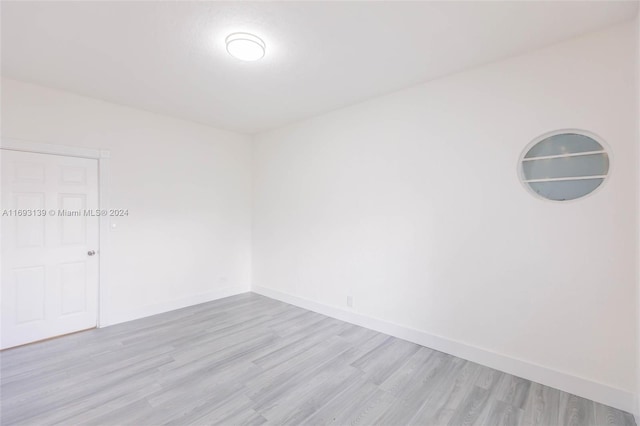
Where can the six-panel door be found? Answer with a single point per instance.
(49, 226)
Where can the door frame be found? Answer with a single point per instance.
(102, 156)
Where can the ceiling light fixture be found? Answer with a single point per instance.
(245, 46)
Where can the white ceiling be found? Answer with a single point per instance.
(169, 57)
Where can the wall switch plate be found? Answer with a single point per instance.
(350, 301)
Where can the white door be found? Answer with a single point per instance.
(49, 268)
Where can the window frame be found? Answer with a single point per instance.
(605, 149)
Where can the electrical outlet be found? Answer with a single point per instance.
(350, 301)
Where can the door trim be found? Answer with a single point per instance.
(103, 156)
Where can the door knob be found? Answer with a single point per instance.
(91, 252)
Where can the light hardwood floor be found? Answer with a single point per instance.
(248, 359)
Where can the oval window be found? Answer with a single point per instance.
(564, 166)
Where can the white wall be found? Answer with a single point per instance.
(411, 204)
(638, 199)
(187, 188)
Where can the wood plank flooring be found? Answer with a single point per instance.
(251, 360)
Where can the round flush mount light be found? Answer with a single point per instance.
(245, 46)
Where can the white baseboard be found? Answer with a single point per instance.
(159, 308)
(585, 388)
